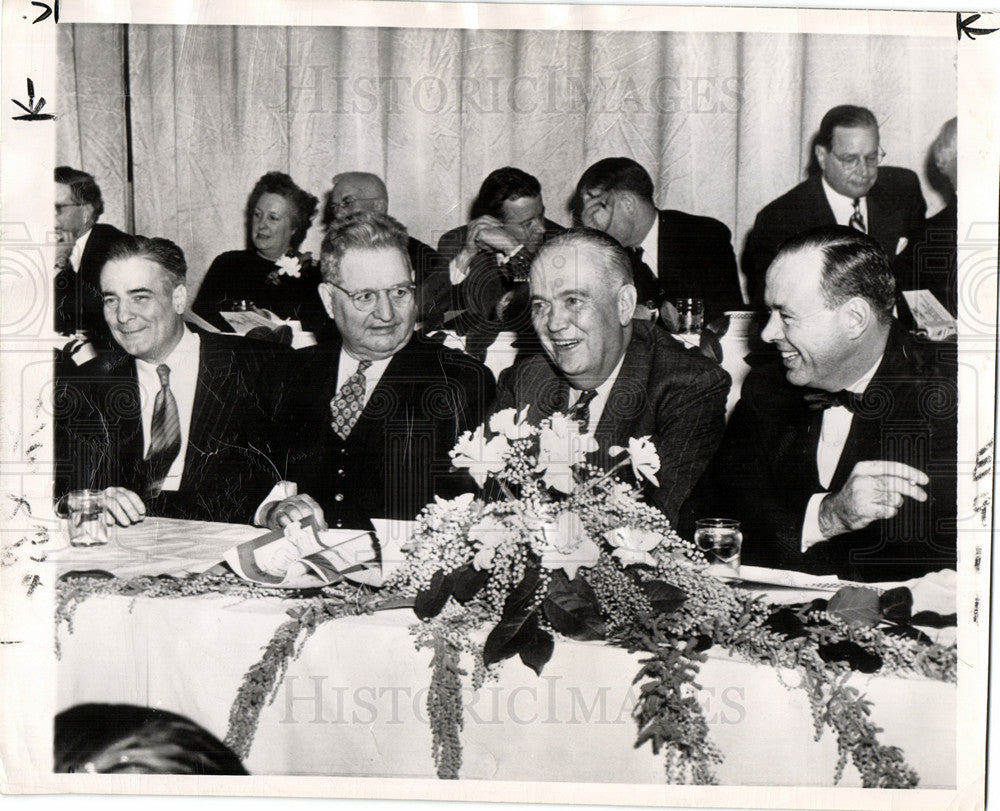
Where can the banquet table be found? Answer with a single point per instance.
(354, 701)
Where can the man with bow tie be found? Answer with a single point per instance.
(842, 459)
(372, 415)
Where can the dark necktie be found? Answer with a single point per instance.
(821, 400)
(646, 283)
(857, 220)
(346, 407)
(164, 433)
(581, 409)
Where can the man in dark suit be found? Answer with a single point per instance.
(376, 411)
(850, 189)
(84, 244)
(674, 255)
(621, 378)
(841, 460)
(176, 422)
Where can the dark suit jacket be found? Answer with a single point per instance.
(930, 261)
(395, 459)
(695, 260)
(896, 209)
(228, 467)
(675, 396)
(765, 470)
(78, 301)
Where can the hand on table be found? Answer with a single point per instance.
(875, 490)
(123, 507)
(294, 508)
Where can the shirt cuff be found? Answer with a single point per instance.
(279, 492)
(811, 533)
(457, 274)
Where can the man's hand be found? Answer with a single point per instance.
(123, 507)
(483, 233)
(875, 490)
(279, 514)
(598, 210)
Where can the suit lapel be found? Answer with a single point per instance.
(883, 224)
(620, 412)
(819, 202)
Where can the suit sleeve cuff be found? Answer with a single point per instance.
(811, 534)
(279, 492)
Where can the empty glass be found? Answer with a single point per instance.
(691, 314)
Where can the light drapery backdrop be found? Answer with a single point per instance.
(723, 122)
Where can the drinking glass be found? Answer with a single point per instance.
(691, 312)
(82, 512)
(720, 540)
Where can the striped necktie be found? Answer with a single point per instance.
(857, 220)
(164, 433)
(346, 407)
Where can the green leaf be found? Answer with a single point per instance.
(664, 598)
(537, 646)
(572, 608)
(467, 581)
(931, 619)
(432, 599)
(501, 643)
(855, 605)
(896, 604)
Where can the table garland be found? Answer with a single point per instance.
(566, 549)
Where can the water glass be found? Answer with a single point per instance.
(691, 314)
(83, 514)
(720, 540)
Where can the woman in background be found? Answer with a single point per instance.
(271, 274)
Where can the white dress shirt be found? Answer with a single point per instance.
(184, 362)
(348, 365)
(76, 255)
(832, 438)
(651, 247)
(843, 207)
(596, 407)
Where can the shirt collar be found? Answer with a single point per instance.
(76, 255)
(842, 207)
(188, 345)
(859, 386)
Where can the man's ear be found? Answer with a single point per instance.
(326, 295)
(179, 299)
(857, 315)
(627, 298)
(821, 154)
(381, 206)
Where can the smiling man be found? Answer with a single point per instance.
(852, 188)
(371, 416)
(621, 378)
(174, 422)
(840, 459)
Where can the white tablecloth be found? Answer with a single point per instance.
(353, 703)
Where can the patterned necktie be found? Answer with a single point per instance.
(164, 433)
(857, 220)
(346, 407)
(581, 409)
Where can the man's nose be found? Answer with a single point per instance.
(383, 309)
(556, 320)
(772, 329)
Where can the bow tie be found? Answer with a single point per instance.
(820, 400)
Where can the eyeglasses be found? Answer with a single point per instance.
(350, 202)
(852, 162)
(365, 300)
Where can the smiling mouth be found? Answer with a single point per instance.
(566, 343)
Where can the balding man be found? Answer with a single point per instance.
(622, 378)
(840, 459)
(850, 189)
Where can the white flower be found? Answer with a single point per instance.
(564, 544)
(643, 456)
(633, 545)
(489, 533)
(289, 266)
(472, 451)
(560, 447)
(511, 424)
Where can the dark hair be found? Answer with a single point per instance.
(122, 738)
(615, 262)
(845, 115)
(364, 230)
(83, 187)
(501, 185)
(854, 264)
(161, 251)
(612, 174)
(304, 204)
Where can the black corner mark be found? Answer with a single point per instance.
(33, 110)
(964, 26)
(50, 11)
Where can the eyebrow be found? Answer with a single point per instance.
(133, 291)
(562, 294)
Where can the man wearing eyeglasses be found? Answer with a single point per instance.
(83, 245)
(372, 415)
(850, 189)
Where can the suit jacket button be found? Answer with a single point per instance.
(338, 497)
(340, 524)
(340, 472)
